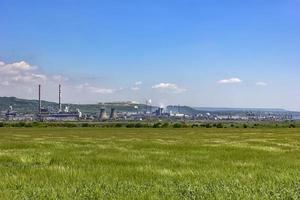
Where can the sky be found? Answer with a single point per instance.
(206, 53)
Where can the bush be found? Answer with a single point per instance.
(220, 125)
(157, 125)
(292, 126)
(195, 125)
(245, 126)
(35, 124)
(130, 126)
(208, 125)
(118, 125)
(184, 125)
(85, 125)
(177, 125)
(165, 125)
(19, 124)
(138, 125)
(28, 125)
(69, 125)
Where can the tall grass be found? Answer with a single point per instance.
(118, 163)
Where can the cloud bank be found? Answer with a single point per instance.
(21, 79)
(261, 83)
(230, 81)
(168, 87)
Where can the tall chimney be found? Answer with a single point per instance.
(59, 97)
(40, 101)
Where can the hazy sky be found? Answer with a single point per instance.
(193, 52)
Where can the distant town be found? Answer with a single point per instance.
(14, 109)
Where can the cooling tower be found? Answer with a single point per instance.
(113, 114)
(102, 115)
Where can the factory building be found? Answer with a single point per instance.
(10, 114)
(61, 115)
(159, 112)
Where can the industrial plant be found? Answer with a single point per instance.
(130, 111)
(60, 115)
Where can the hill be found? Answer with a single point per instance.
(31, 106)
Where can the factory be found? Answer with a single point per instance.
(103, 115)
(61, 115)
(128, 111)
(10, 113)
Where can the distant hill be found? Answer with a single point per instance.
(223, 111)
(31, 106)
(22, 105)
(212, 109)
(182, 109)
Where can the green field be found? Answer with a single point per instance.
(95, 163)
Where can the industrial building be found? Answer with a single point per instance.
(58, 112)
(60, 115)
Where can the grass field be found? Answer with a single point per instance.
(62, 163)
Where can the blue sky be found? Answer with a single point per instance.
(194, 52)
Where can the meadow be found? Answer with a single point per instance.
(146, 163)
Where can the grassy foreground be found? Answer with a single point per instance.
(93, 163)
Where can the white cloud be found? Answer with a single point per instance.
(59, 78)
(135, 88)
(138, 83)
(261, 83)
(230, 81)
(20, 74)
(168, 86)
(29, 78)
(92, 89)
(15, 68)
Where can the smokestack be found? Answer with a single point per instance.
(59, 97)
(40, 101)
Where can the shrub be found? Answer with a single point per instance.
(184, 125)
(28, 125)
(292, 126)
(85, 125)
(19, 124)
(118, 125)
(165, 125)
(138, 125)
(220, 125)
(177, 125)
(69, 125)
(202, 125)
(130, 126)
(245, 126)
(208, 125)
(35, 124)
(157, 125)
(195, 125)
